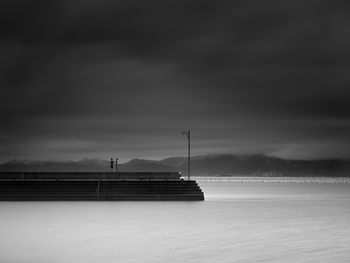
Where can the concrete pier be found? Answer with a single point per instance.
(97, 186)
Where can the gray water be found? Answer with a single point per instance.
(242, 220)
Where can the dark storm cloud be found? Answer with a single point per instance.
(247, 75)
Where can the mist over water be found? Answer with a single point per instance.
(240, 221)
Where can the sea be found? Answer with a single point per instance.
(243, 219)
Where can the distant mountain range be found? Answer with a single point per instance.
(219, 165)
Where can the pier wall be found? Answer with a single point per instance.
(91, 175)
(97, 187)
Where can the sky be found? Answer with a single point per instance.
(101, 79)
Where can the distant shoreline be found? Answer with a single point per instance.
(219, 165)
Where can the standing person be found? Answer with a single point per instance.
(111, 165)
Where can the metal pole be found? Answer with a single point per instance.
(116, 166)
(189, 154)
(188, 134)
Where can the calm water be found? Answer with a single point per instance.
(241, 221)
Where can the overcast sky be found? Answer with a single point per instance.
(100, 79)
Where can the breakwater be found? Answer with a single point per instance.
(81, 186)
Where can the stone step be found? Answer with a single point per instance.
(99, 190)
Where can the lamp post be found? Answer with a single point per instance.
(188, 135)
(116, 166)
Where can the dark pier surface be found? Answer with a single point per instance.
(85, 186)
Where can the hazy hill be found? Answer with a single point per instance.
(173, 161)
(225, 164)
(139, 165)
(44, 166)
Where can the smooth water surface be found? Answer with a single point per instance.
(241, 221)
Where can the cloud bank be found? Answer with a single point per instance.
(95, 78)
